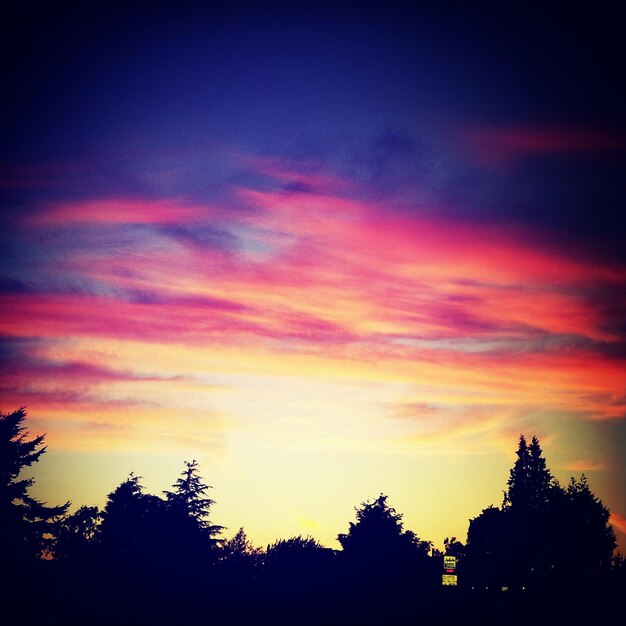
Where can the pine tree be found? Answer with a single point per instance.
(188, 502)
(189, 494)
(26, 524)
(132, 524)
(377, 547)
(544, 536)
(541, 483)
(518, 477)
(530, 483)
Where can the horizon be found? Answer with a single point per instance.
(328, 540)
(327, 254)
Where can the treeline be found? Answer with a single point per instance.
(150, 559)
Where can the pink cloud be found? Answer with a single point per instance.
(120, 211)
(288, 172)
(497, 146)
(343, 272)
(345, 280)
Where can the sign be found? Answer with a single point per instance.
(449, 580)
(449, 563)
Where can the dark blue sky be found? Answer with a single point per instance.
(385, 95)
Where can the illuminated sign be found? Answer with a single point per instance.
(449, 580)
(449, 563)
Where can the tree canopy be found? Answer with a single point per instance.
(161, 558)
(543, 535)
(377, 546)
(26, 524)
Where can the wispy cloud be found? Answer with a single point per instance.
(582, 465)
(496, 146)
(118, 211)
(487, 319)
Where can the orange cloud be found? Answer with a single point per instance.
(484, 320)
(583, 466)
(119, 211)
(619, 522)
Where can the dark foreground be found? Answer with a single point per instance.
(50, 595)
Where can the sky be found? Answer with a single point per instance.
(326, 252)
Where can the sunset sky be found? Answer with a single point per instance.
(328, 254)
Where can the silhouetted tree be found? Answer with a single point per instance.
(379, 552)
(588, 539)
(189, 508)
(295, 555)
(544, 535)
(486, 549)
(133, 522)
(76, 535)
(618, 573)
(454, 547)
(26, 524)
(239, 557)
(298, 566)
(530, 483)
(189, 494)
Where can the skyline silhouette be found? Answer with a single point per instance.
(161, 559)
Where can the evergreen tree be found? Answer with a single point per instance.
(544, 535)
(190, 531)
(26, 524)
(541, 483)
(530, 483)
(518, 476)
(377, 547)
(189, 494)
(133, 525)
(379, 531)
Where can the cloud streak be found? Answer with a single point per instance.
(334, 279)
(496, 146)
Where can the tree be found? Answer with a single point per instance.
(76, 535)
(298, 563)
(530, 483)
(453, 547)
(239, 556)
(132, 526)
(530, 523)
(588, 539)
(26, 524)
(294, 554)
(379, 533)
(189, 493)
(377, 549)
(544, 535)
(486, 551)
(189, 508)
